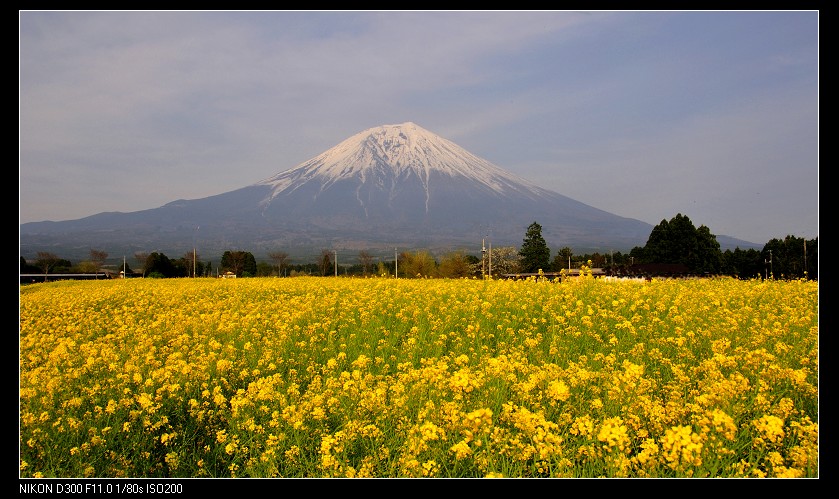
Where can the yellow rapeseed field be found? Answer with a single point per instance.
(378, 377)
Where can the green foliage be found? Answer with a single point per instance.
(325, 263)
(562, 259)
(264, 269)
(678, 241)
(238, 262)
(26, 268)
(673, 241)
(158, 263)
(189, 265)
(534, 251)
(790, 258)
(746, 264)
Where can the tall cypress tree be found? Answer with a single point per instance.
(534, 251)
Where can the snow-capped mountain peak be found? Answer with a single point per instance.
(382, 154)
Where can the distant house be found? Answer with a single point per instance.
(228, 275)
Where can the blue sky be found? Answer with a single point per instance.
(644, 114)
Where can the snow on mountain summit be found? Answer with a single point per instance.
(384, 153)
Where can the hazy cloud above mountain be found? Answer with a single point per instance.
(643, 114)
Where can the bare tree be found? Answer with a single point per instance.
(281, 260)
(141, 257)
(325, 261)
(46, 261)
(191, 258)
(98, 257)
(366, 260)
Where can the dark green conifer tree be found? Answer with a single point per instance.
(534, 251)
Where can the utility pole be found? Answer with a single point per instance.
(770, 266)
(490, 259)
(483, 258)
(395, 264)
(336, 262)
(194, 254)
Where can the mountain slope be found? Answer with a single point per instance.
(394, 185)
(404, 178)
(381, 158)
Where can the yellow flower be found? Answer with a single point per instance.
(724, 424)
(583, 426)
(166, 438)
(361, 362)
(145, 400)
(318, 414)
(558, 391)
(461, 450)
(771, 428)
(172, 460)
(682, 448)
(614, 434)
(649, 449)
(430, 468)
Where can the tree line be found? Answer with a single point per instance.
(676, 241)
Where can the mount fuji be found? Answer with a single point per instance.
(386, 187)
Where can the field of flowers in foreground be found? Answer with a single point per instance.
(340, 377)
